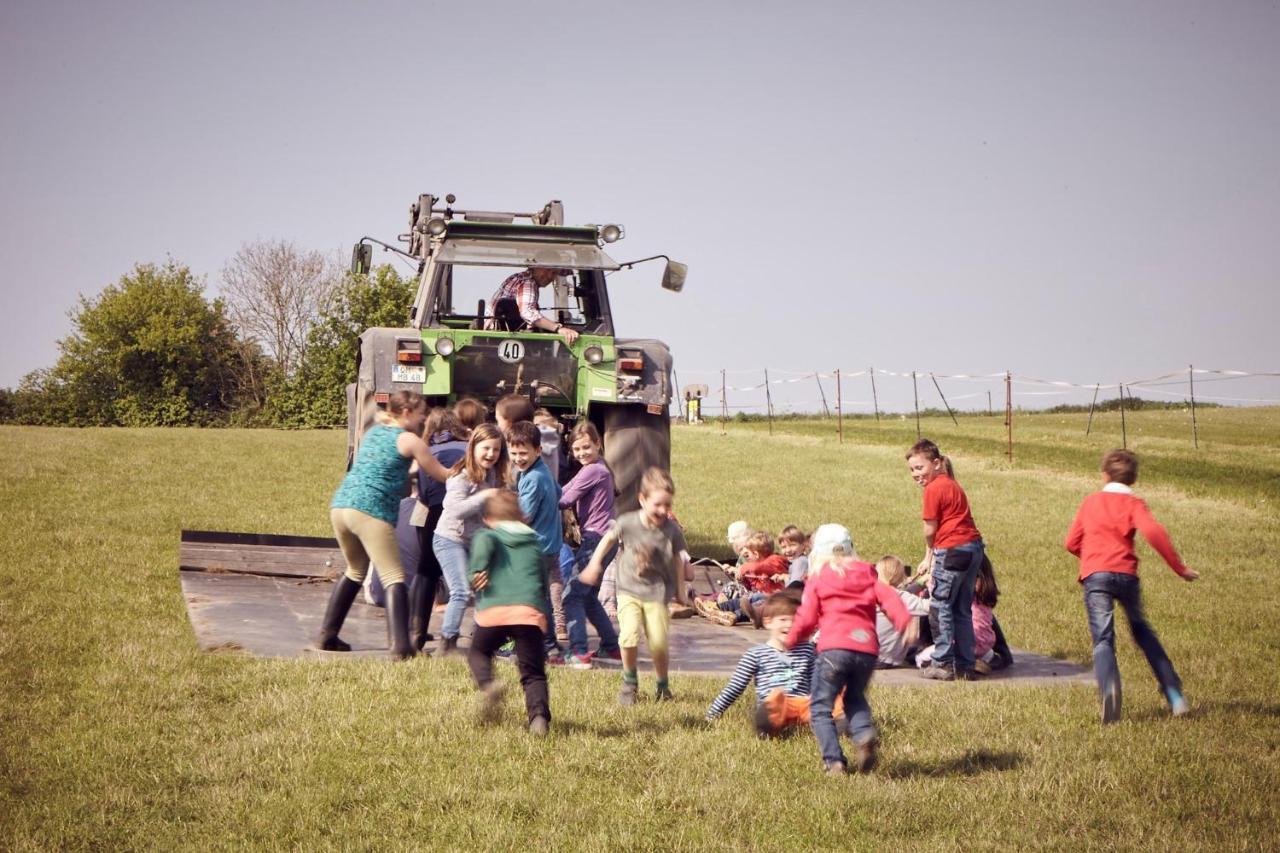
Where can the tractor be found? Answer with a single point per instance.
(455, 344)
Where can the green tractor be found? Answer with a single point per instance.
(457, 344)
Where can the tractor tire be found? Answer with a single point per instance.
(634, 441)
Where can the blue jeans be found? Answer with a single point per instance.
(1101, 591)
(453, 565)
(582, 602)
(955, 570)
(836, 671)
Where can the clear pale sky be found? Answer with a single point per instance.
(1084, 191)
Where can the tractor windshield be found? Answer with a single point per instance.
(464, 297)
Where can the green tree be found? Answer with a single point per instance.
(316, 396)
(147, 351)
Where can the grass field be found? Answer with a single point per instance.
(116, 732)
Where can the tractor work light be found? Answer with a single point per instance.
(444, 346)
(593, 354)
(436, 227)
(611, 233)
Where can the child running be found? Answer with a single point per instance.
(840, 599)
(781, 675)
(590, 495)
(649, 569)
(1102, 537)
(508, 576)
(955, 546)
(484, 467)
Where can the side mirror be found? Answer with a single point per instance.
(362, 259)
(673, 276)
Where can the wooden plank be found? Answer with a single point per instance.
(261, 554)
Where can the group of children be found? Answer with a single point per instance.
(497, 536)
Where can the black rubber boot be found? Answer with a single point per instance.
(398, 622)
(419, 612)
(344, 592)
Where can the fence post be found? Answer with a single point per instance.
(916, 393)
(944, 399)
(875, 401)
(1195, 430)
(1008, 409)
(839, 409)
(724, 403)
(680, 404)
(1124, 429)
(768, 399)
(825, 408)
(990, 412)
(1089, 426)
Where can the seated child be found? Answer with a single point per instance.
(793, 543)
(763, 574)
(738, 534)
(893, 651)
(840, 600)
(510, 582)
(781, 676)
(990, 648)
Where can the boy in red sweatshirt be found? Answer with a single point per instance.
(840, 599)
(1102, 537)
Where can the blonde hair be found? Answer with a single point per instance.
(655, 480)
(891, 570)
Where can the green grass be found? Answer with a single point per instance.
(116, 732)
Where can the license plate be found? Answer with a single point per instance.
(407, 373)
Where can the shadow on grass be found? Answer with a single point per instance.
(632, 727)
(1203, 709)
(971, 763)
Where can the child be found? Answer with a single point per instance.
(590, 495)
(513, 409)
(840, 599)
(649, 568)
(781, 675)
(763, 574)
(482, 468)
(955, 545)
(507, 574)
(470, 413)
(793, 543)
(989, 646)
(445, 437)
(737, 535)
(364, 512)
(1102, 537)
(893, 651)
(540, 503)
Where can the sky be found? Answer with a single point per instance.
(1085, 192)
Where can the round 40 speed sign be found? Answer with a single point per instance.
(511, 351)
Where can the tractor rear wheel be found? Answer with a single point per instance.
(634, 441)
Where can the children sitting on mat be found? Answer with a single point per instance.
(781, 676)
(894, 651)
(763, 574)
(793, 543)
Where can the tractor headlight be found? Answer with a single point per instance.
(436, 227)
(593, 354)
(611, 233)
(444, 346)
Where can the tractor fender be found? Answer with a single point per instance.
(654, 388)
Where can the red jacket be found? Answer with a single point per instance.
(1102, 533)
(840, 601)
(757, 575)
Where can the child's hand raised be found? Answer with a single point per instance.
(480, 581)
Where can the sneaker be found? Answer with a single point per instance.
(752, 612)
(865, 756)
(967, 675)
(938, 673)
(611, 655)
(981, 667)
(575, 661)
(663, 694)
(680, 611)
(555, 657)
(489, 707)
(834, 768)
(1111, 703)
(506, 650)
(628, 694)
(1177, 702)
(538, 726)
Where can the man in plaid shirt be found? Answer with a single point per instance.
(523, 288)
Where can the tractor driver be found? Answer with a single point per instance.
(522, 288)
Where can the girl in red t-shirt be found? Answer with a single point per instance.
(954, 544)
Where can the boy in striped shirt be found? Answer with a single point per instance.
(781, 675)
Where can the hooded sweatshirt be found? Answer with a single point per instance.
(840, 599)
(512, 555)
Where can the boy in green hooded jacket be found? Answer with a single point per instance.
(511, 587)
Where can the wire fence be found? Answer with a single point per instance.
(722, 392)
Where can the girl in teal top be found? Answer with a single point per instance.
(364, 511)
